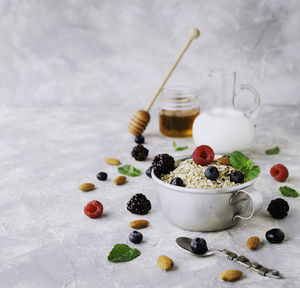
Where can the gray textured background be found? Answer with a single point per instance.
(65, 53)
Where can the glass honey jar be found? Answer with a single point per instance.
(179, 106)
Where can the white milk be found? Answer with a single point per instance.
(224, 130)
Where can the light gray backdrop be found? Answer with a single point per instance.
(104, 52)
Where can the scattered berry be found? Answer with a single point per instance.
(237, 177)
(139, 152)
(211, 173)
(139, 204)
(139, 139)
(203, 155)
(177, 181)
(102, 176)
(135, 237)
(163, 164)
(199, 246)
(148, 172)
(279, 172)
(93, 209)
(275, 236)
(278, 208)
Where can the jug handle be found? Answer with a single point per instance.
(252, 112)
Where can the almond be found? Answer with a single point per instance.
(231, 275)
(86, 187)
(165, 263)
(112, 161)
(120, 180)
(224, 160)
(139, 224)
(253, 242)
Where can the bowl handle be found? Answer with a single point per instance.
(256, 200)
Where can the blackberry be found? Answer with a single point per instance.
(139, 204)
(163, 164)
(139, 153)
(278, 208)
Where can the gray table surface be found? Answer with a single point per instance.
(47, 241)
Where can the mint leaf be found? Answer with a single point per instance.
(179, 148)
(253, 173)
(129, 170)
(288, 191)
(122, 253)
(273, 151)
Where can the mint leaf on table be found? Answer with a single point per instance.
(179, 148)
(122, 253)
(273, 151)
(288, 191)
(129, 170)
(241, 162)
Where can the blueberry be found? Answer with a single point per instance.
(199, 246)
(275, 236)
(211, 173)
(148, 172)
(237, 177)
(102, 176)
(177, 181)
(135, 237)
(139, 139)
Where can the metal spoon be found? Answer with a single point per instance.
(184, 243)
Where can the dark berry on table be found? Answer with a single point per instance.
(163, 164)
(237, 177)
(199, 246)
(139, 152)
(93, 209)
(139, 204)
(177, 181)
(279, 172)
(102, 176)
(203, 155)
(148, 172)
(136, 237)
(275, 236)
(211, 173)
(139, 139)
(278, 208)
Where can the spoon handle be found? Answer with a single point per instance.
(260, 269)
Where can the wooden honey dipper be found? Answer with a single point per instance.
(141, 118)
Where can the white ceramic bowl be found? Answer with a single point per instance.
(207, 209)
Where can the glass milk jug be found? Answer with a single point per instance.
(228, 125)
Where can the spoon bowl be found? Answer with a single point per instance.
(185, 243)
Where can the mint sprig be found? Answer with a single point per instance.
(273, 151)
(241, 162)
(122, 253)
(129, 170)
(288, 191)
(179, 148)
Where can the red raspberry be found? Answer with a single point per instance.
(203, 155)
(93, 209)
(279, 172)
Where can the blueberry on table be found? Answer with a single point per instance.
(275, 236)
(237, 177)
(199, 246)
(139, 139)
(135, 237)
(148, 172)
(102, 176)
(212, 173)
(177, 182)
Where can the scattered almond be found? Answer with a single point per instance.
(120, 180)
(112, 161)
(165, 263)
(139, 224)
(231, 275)
(86, 187)
(253, 242)
(224, 160)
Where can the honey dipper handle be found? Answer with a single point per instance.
(193, 33)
